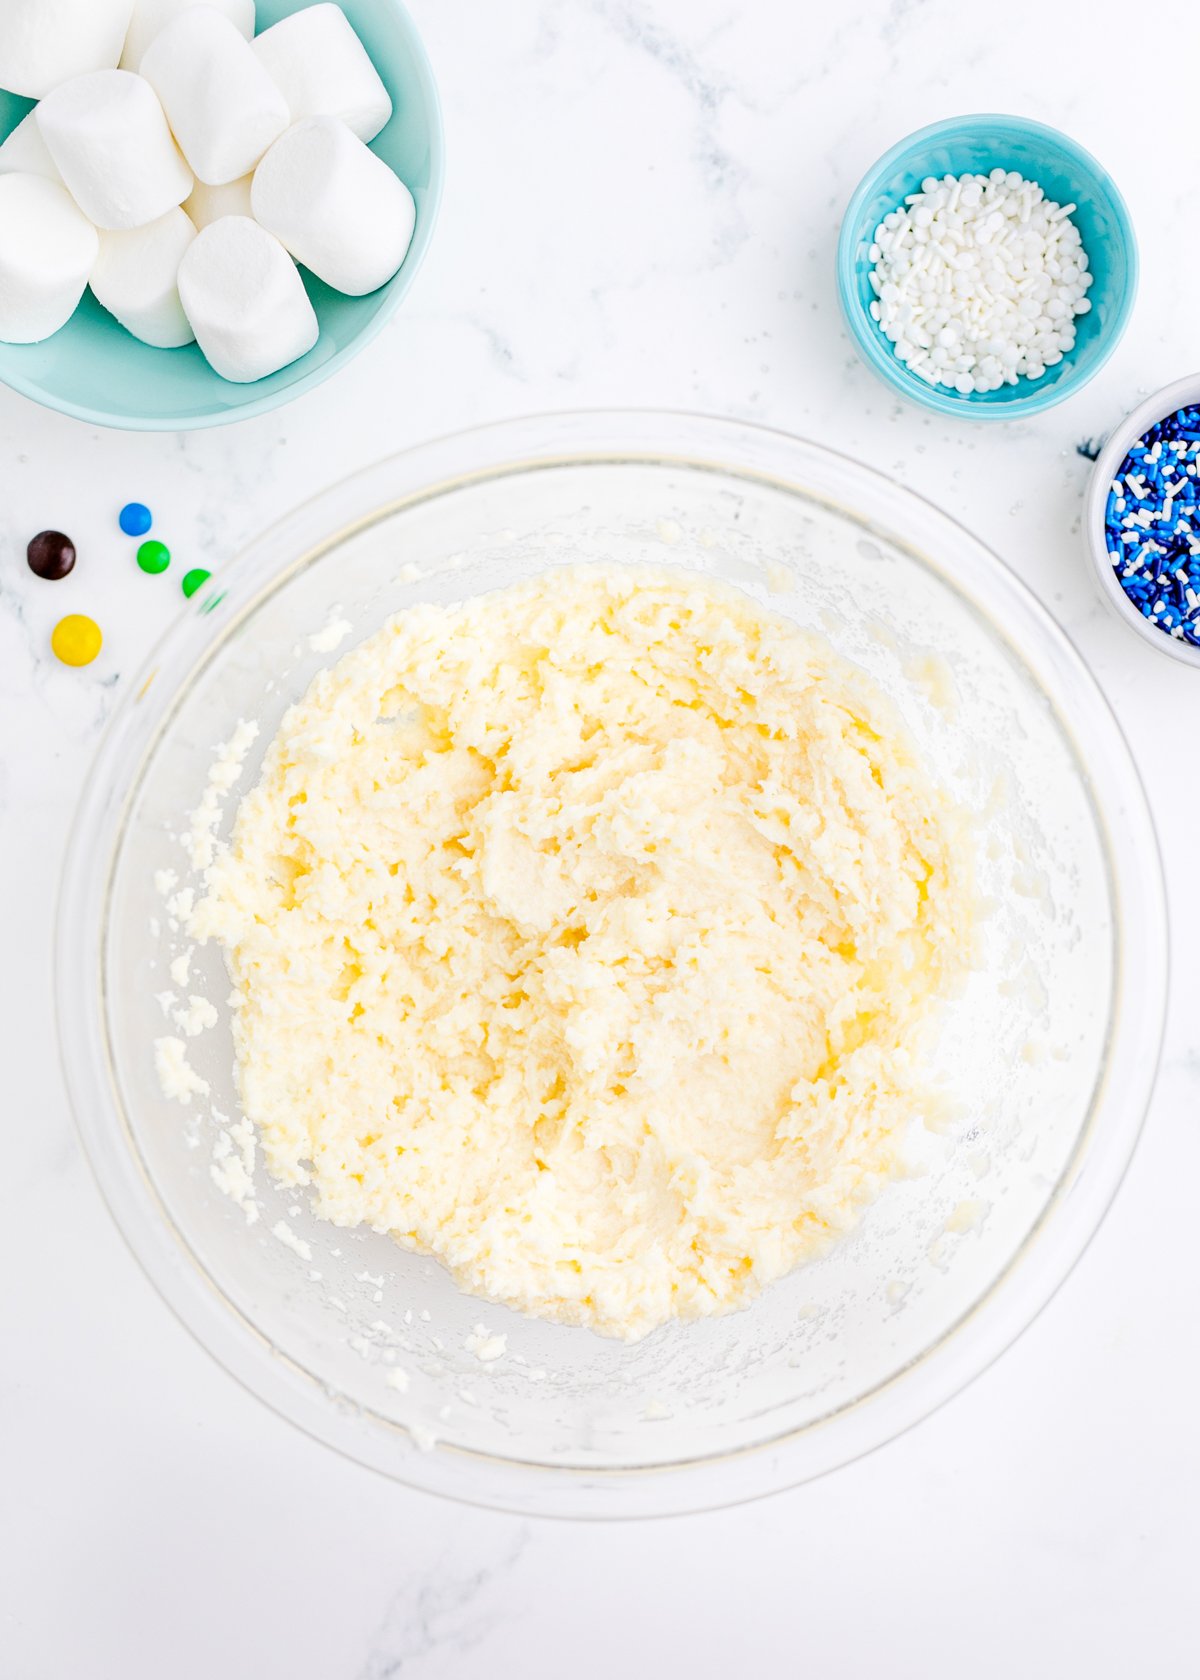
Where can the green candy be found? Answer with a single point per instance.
(192, 580)
(154, 556)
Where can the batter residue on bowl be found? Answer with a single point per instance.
(592, 936)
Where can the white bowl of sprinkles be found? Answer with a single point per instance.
(1162, 606)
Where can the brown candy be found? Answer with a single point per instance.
(50, 554)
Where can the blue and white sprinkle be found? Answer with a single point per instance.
(1152, 525)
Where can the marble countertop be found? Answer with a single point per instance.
(642, 204)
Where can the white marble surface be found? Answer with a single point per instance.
(642, 204)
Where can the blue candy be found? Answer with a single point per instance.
(1154, 551)
(135, 519)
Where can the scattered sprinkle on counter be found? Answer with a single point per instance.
(51, 555)
(76, 639)
(1152, 524)
(154, 556)
(135, 519)
(978, 280)
(194, 580)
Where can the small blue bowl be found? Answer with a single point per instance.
(1069, 175)
(96, 371)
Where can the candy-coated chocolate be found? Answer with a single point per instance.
(50, 554)
(135, 519)
(154, 556)
(76, 639)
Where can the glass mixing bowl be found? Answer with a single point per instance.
(1051, 1050)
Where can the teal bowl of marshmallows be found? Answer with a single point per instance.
(96, 371)
(987, 267)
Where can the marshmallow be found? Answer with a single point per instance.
(321, 67)
(151, 17)
(245, 300)
(45, 42)
(337, 207)
(209, 204)
(24, 152)
(223, 106)
(47, 248)
(136, 279)
(107, 133)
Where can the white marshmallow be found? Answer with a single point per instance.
(47, 248)
(245, 300)
(209, 204)
(224, 108)
(151, 17)
(322, 69)
(107, 133)
(337, 207)
(24, 152)
(136, 278)
(45, 42)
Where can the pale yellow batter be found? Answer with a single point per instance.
(590, 936)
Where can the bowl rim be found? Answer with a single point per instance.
(393, 293)
(869, 342)
(1073, 1210)
(1116, 446)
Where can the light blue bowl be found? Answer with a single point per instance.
(95, 370)
(977, 144)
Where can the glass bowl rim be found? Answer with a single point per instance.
(1073, 1210)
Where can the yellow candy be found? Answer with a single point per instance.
(76, 639)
